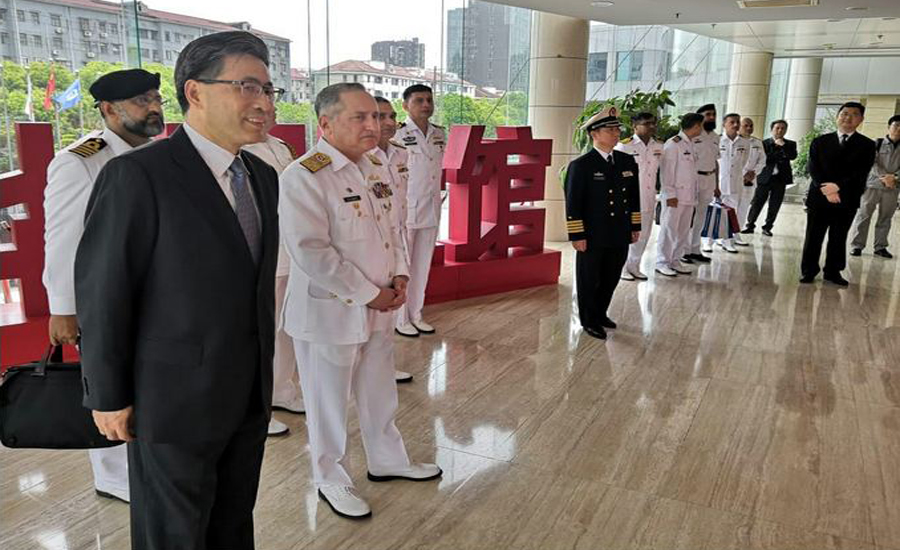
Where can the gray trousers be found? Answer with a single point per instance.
(886, 201)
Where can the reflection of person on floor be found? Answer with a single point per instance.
(131, 109)
(348, 275)
(882, 190)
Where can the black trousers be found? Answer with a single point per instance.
(773, 191)
(197, 496)
(835, 222)
(597, 272)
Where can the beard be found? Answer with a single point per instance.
(709, 126)
(151, 126)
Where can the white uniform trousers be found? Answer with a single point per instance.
(110, 467)
(286, 383)
(734, 201)
(420, 250)
(636, 250)
(743, 208)
(332, 375)
(674, 237)
(706, 190)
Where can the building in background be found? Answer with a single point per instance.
(489, 45)
(402, 53)
(301, 89)
(389, 81)
(73, 33)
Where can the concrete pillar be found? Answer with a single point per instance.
(559, 50)
(802, 96)
(879, 109)
(748, 88)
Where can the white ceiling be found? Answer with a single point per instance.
(828, 29)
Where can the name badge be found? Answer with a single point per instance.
(627, 173)
(599, 176)
(352, 198)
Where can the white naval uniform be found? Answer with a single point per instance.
(396, 159)
(335, 218)
(678, 178)
(286, 384)
(70, 179)
(648, 156)
(426, 158)
(756, 161)
(732, 159)
(706, 147)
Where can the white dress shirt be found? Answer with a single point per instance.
(219, 161)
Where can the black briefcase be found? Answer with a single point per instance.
(40, 407)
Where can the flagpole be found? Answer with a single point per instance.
(80, 109)
(58, 128)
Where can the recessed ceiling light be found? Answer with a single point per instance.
(603, 4)
(856, 8)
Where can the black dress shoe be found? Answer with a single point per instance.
(747, 231)
(606, 322)
(806, 279)
(884, 253)
(837, 279)
(688, 259)
(767, 232)
(700, 258)
(596, 332)
(856, 252)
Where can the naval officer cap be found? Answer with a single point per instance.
(608, 117)
(707, 107)
(126, 84)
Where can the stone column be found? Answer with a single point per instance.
(802, 96)
(879, 109)
(748, 88)
(559, 50)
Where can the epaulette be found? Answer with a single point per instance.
(290, 148)
(395, 144)
(627, 140)
(374, 160)
(316, 162)
(676, 139)
(88, 147)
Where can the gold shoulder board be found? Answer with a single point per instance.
(88, 147)
(316, 162)
(374, 160)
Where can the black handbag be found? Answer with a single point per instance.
(40, 407)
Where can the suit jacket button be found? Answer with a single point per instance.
(386, 246)
(349, 301)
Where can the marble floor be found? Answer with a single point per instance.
(732, 409)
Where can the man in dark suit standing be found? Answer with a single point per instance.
(174, 284)
(839, 163)
(774, 178)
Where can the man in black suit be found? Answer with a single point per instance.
(774, 178)
(174, 284)
(603, 217)
(839, 163)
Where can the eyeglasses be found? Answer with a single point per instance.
(249, 88)
(148, 99)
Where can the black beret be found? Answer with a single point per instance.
(707, 107)
(124, 84)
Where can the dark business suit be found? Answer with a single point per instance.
(769, 185)
(603, 207)
(177, 320)
(847, 166)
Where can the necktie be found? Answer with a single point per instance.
(243, 207)
(844, 138)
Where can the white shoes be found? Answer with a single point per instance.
(113, 494)
(295, 405)
(626, 276)
(417, 471)
(706, 246)
(277, 428)
(681, 269)
(666, 270)
(637, 274)
(727, 246)
(423, 327)
(408, 330)
(402, 377)
(345, 501)
(740, 242)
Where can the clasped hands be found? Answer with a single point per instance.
(390, 299)
(889, 181)
(830, 190)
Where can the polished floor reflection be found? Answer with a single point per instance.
(732, 409)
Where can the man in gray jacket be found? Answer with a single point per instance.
(882, 190)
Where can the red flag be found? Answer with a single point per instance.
(51, 87)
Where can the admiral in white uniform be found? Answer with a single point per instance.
(348, 274)
(706, 147)
(286, 394)
(733, 153)
(678, 178)
(647, 152)
(131, 108)
(756, 162)
(425, 143)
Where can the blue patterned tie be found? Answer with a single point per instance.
(243, 207)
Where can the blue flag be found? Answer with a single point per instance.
(70, 97)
